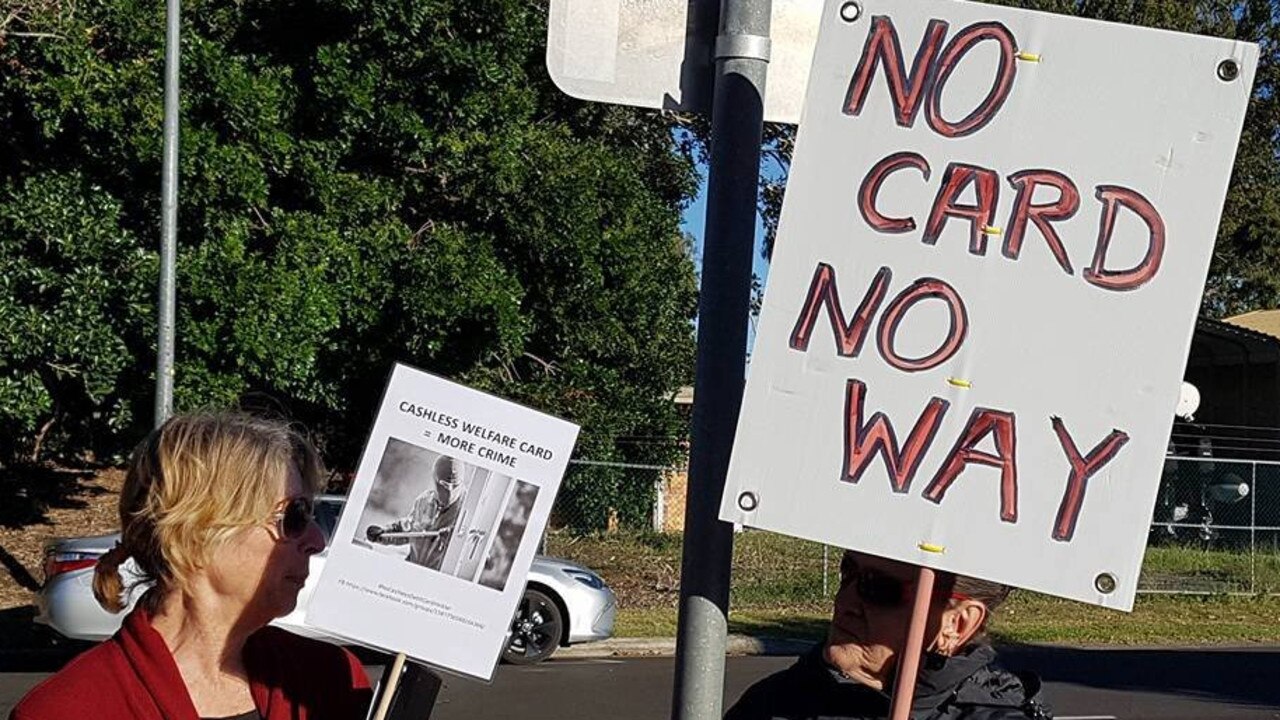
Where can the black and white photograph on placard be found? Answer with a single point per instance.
(433, 510)
(443, 514)
(480, 515)
(502, 553)
(414, 504)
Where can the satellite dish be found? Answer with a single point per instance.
(1188, 401)
(1232, 490)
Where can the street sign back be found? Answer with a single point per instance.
(658, 53)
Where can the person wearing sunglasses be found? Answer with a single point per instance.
(850, 675)
(216, 513)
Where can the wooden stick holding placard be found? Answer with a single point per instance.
(904, 689)
(408, 691)
(390, 679)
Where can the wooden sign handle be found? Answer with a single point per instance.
(909, 664)
(390, 679)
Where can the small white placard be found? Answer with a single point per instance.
(443, 519)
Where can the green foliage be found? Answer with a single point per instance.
(592, 495)
(1245, 274)
(361, 182)
(71, 278)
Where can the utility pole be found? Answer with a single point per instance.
(737, 124)
(168, 214)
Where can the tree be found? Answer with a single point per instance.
(361, 181)
(1245, 273)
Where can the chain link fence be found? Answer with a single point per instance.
(614, 496)
(1215, 530)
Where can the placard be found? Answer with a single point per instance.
(442, 522)
(990, 260)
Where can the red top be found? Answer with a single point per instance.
(133, 675)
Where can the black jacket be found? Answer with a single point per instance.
(965, 687)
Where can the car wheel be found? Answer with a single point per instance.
(535, 631)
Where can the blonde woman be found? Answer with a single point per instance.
(217, 512)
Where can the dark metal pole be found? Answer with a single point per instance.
(737, 119)
(168, 215)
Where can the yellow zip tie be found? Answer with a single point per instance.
(931, 548)
(1029, 57)
(992, 230)
(960, 383)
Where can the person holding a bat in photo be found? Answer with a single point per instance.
(216, 514)
(850, 676)
(429, 525)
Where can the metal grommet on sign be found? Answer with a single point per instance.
(1105, 583)
(1228, 70)
(850, 11)
(747, 501)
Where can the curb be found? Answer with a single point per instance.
(735, 645)
(746, 645)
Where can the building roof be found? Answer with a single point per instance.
(1224, 343)
(1266, 322)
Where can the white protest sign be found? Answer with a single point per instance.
(996, 233)
(442, 522)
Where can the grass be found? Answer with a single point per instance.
(1210, 570)
(1155, 620)
(1034, 618)
(778, 591)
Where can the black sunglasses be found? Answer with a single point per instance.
(295, 517)
(885, 591)
(876, 588)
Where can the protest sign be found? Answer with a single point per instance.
(443, 519)
(996, 233)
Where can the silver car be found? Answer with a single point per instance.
(564, 603)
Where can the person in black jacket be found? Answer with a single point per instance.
(850, 676)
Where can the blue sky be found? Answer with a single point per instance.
(694, 223)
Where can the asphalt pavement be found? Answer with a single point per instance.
(1154, 684)
(1098, 684)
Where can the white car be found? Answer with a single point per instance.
(564, 603)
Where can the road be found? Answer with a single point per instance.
(1207, 684)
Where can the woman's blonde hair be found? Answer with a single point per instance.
(191, 484)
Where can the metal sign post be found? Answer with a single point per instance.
(660, 54)
(169, 214)
(737, 121)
